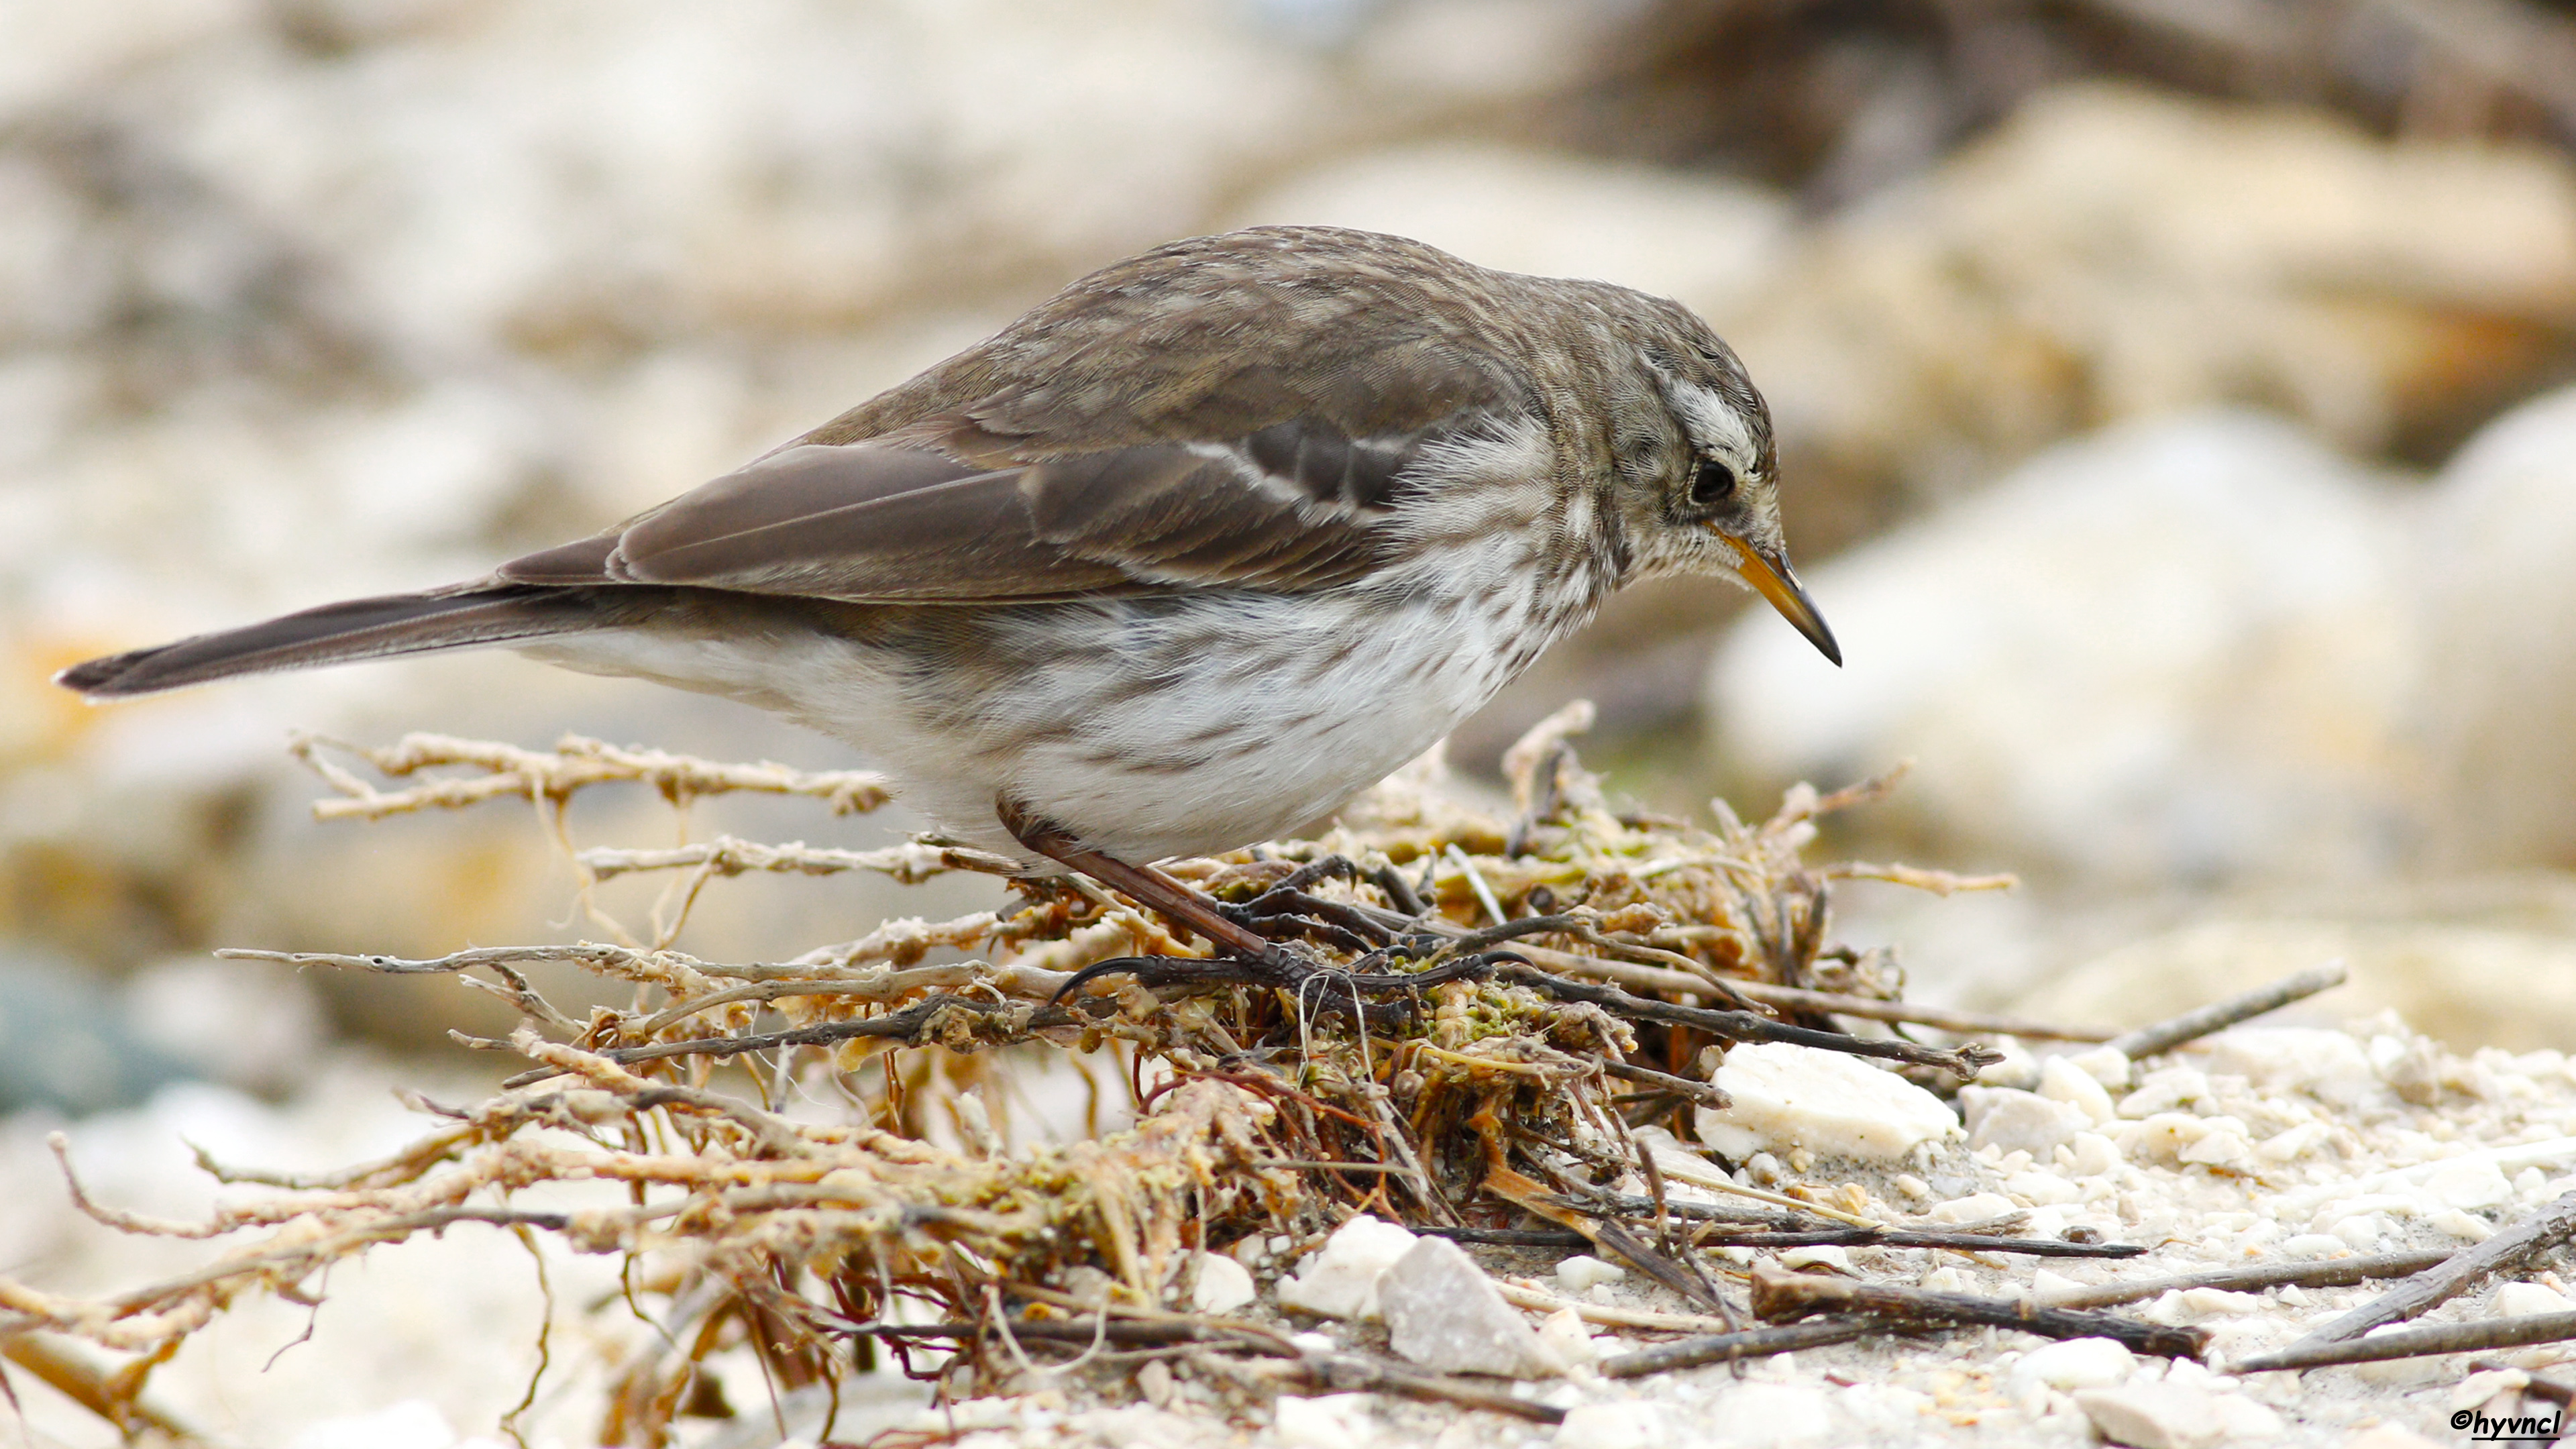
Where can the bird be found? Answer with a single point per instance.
(1192, 553)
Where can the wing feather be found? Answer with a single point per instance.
(1205, 429)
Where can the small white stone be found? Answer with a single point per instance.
(2104, 1065)
(1568, 1338)
(2362, 1231)
(1974, 1208)
(1787, 1097)
(2075, 1363)
(1945, 1279)
(2094, 1154)
(2162, 1138)
(2044, 1189)
(2019, 1121)
(2517, 1300)
(2328, 1065)
(1612, 1426)
(2203, 1303)
(2155, 1415)
(2242, 1419)
(1340, 1280)
(1326, 1421)
(2165, 1091)
(2477, 1388)
(2469, 1183)
(2315, 1245)
(2049, 1286)
(2460, 1225)
(1581, 1271)
(2062, 1080)
(2018, 1070)
(1914, 1188)
(1825, 1256)
(2292, 1143)
(1223, 1286)
(2219, 1149)
(1442, 1312)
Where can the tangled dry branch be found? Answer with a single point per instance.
(1488, 1009)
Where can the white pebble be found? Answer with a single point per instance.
(2219, 1149)
(1581, 1271)
(2469, 1183)
(2463, 1226)
(1340, 1280)
(1568, 1338)
(1824, 1256)
(2044, 1189)
(1223, 1286)
(1974, 1208)
(2075, 1363)
(2062, 1079)
(2514, 1300)
(2291, 1144)
(1326, 1421)
(2477, 1388)
(2104, 1065)
(1787, 1097)
(2315, 1245)
(2094, 1154)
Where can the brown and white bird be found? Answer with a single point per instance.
(1207, 543)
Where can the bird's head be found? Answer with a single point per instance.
(1698, 482)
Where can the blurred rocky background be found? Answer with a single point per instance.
(2168, 393)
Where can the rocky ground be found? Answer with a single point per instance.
(2279, 1146)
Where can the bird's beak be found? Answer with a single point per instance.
(1770, 577)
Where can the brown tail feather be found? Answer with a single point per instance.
(351, 630)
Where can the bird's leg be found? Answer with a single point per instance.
(1185, 907)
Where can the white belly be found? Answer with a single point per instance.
(1149, 728)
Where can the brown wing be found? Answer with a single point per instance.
(1205, 422)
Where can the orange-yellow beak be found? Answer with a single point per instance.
(1771, 578)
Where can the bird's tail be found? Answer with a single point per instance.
(351, 630)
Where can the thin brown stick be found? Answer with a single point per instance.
(1739, 1345)
(2165, 1035)
(2325, 1273)
(2423, 1342)
(1702, 1092)
(1779, 1295)
(1964, 1062)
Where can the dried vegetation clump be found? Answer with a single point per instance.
(1469, 1016)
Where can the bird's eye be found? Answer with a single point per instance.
(1713, 484)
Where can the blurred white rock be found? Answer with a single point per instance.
(1443, 1313)
(1341, 1279)
(2110, 252)
(252, 1025)
(1788, 1097)
(2172, 651)
(2499, 696)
